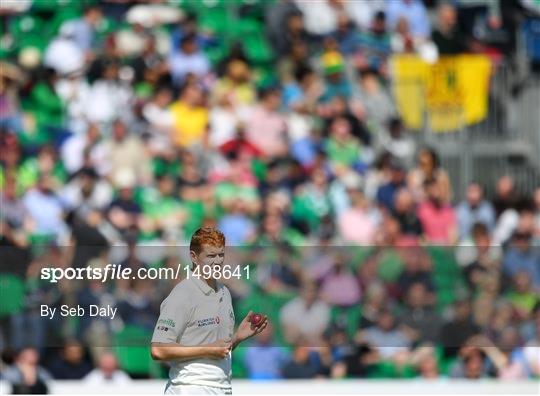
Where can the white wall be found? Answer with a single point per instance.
(317, 387)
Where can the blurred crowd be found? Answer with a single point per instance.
(136, 123)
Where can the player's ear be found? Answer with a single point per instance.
(194, 258)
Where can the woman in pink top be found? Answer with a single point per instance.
(438, 218)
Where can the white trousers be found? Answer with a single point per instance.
(171, 389)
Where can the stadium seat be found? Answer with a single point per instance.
(347, 317)
(132, 349)
(11, 293)
(258, 49)
(238, 367)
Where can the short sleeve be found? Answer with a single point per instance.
(173, 316)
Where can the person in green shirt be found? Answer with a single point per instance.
(343, 149)
(48, 111)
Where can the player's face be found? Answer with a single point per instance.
(212, 256)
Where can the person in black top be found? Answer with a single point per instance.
(405, 213)
(456, 331)
(447, 36)
(71, 363)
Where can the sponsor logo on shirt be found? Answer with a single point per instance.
(163, 328)
(208, 321)
(167, 322)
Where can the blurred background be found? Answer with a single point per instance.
(374, 163)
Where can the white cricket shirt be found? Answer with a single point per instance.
(194, 314)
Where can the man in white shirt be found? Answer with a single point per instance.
(195, 329)
(305, 316)
(107, 372)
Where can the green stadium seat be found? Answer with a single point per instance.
(25, 24)
(245, 27)
(239, 369)
(216, 54)
(348, 317)
(133, 352)
(195, 210)
(63, 15)
(384, 369)
(215, 20)
(258, 49)
(11, 293)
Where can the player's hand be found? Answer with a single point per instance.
(246, 329)
(219, 349)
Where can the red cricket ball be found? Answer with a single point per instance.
(255, 319)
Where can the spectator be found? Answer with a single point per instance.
(438, 218)
(474, 210)
(346, 35)
(11, 78)
(26, 375)
(305, 316)
(49, 115)
(417, 269)
(150, 67)
(356, 364)
(387, 192)
(456, 331)
(522, 296)
(190, 60)
(397, 141)
(236, 225)
(158, 114)
(521, 256)
(376, 100)
(482, 258)
(425, 361)
(505, 195)
(110, 98)
(107, 372)
(405, 213)
(412, 11)
(321, 17)
(358, 223)
(343, 149)
(375, 300)
(86, 192)
(386, 337)
(469, 11)
(123, 154)
(473, 364)
(45, 209)
(63, 53)
(71, 363)
(235, 86)
(448, 36)
(76, 151)
(429, 168)
(294, 32)
(190, 116)
(264, 359)
(334, 68)
(419, 314)
(300, 366)
(84, 28)
(338, 286)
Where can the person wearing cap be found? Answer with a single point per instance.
(195, 328)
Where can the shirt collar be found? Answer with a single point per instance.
(202, 285)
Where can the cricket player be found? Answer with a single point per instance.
(195, 329)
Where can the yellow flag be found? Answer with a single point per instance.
(451, 93)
